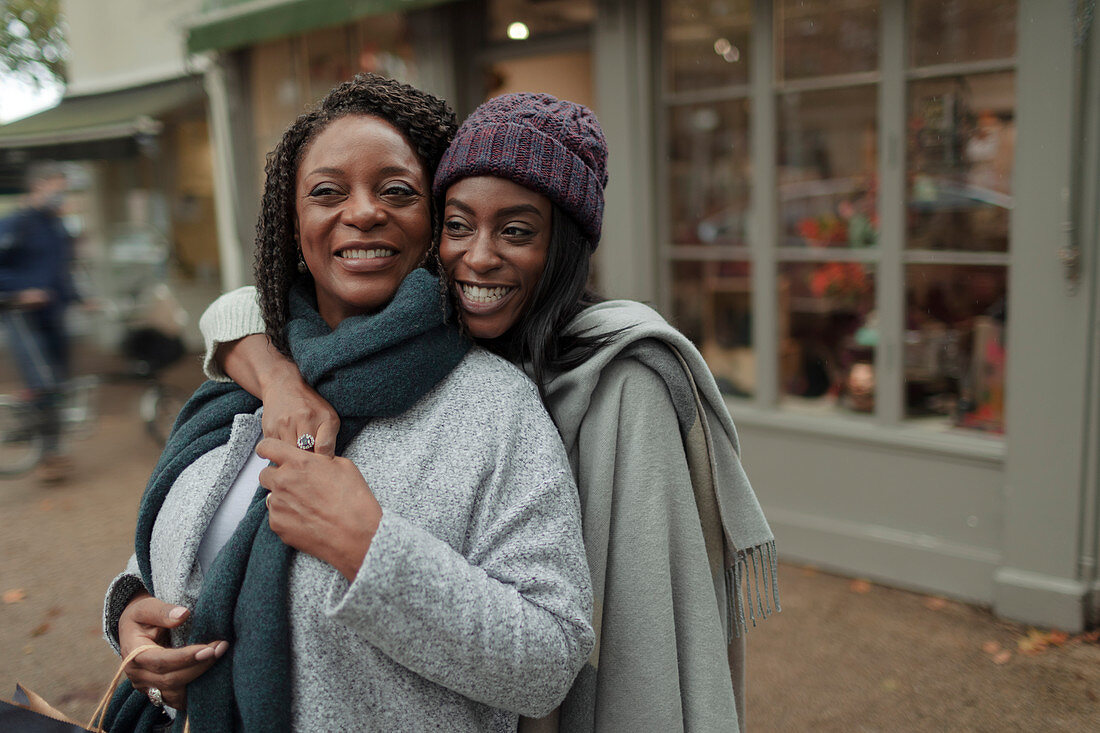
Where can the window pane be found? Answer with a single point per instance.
(952, 31)
(827, 168)
(708, 172)
(712, 305)
(961, 142)
(518, 20)
(827, 335)
(826, 37)
(706, 43)
(954, 344)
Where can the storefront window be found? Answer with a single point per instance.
(707, 182)
(941, 253)
(518, 20)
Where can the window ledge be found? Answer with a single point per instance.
(953, 443)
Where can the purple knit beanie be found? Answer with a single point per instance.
(542, 143)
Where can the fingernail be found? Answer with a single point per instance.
(177, 613)
(221, 649)
(204, 653)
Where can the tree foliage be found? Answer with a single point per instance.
(32, 41)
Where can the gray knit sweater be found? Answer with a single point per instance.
(473, 604)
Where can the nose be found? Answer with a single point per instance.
(481, 255)
(363, 211)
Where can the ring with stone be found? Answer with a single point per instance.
(306, 441)
(155, 697)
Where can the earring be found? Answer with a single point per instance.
(302, 262)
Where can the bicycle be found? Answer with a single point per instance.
(24, 422)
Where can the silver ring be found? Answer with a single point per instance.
(155, 697)
(306, 441)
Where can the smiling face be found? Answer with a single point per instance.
(361, 215)
(496, 235)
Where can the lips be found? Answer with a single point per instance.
(483, 299)
(366, 258)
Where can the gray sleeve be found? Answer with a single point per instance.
(122, 589)
(505, 622)
(232, 316)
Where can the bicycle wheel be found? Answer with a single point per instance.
(21, 441)
(159, 406)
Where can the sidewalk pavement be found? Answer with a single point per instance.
(844, 654)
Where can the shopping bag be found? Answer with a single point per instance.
(29, 713)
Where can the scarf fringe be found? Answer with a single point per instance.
(753, 591)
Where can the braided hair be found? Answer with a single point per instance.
(426, 123)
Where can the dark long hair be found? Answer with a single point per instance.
(538, 338)
(427, 124)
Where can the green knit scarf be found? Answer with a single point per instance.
(370, 366)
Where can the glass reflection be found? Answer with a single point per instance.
(712, 305)
(826, 37)
(708, 172)
(706, 43)
(960, 148)
(954, 31)
(827, 175)
(828, 334)
(954, 344)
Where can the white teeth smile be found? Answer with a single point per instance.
(365, 254)
(484, 295)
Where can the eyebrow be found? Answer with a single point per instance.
(387, 171)
(510, 211)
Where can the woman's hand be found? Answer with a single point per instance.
(319, 504)
(291, 407)
(146, 620)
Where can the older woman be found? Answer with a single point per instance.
(681, 556)
(433, 575)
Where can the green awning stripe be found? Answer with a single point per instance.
(103, 116)
(246, 23)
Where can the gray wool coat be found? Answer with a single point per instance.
(473, 604)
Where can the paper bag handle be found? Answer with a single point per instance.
(95, 724)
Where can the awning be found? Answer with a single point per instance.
(92, 118)
(226, 24)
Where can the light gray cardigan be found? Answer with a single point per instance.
(473, 604)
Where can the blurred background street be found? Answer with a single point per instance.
(844, 654)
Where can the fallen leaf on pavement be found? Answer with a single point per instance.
(42, 628)
(54, 612)
(991, 647)
(1002, 657)
(15, 595)
(1038, 641)
(1091, 637)
(860, 585)
(935, 603)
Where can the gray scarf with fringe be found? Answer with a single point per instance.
(740, 548)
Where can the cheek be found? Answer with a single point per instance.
(449, 254)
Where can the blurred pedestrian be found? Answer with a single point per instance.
(35, 279)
